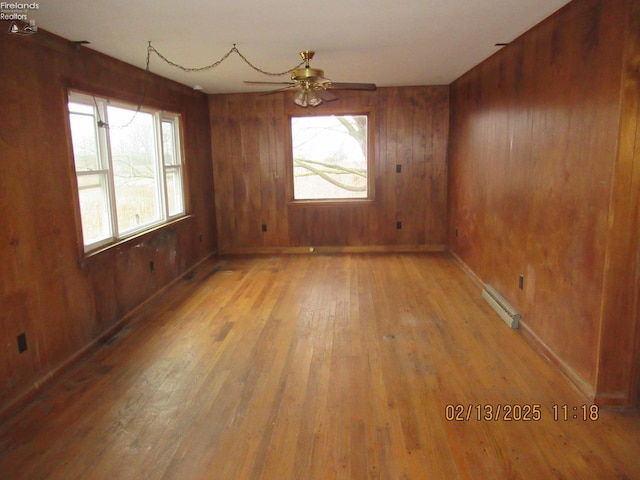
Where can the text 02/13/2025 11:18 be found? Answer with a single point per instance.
(527, 412)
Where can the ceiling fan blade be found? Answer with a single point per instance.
(283, 89)
(353, 86)
(269, 83)
(326, 95)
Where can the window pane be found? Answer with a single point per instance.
(135, 173)
(81, 108)
(94, 208)
(329, 157)
(85, 142)
(174, 191)
(129, 170)
(168, 143)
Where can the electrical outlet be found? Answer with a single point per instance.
(22, 342)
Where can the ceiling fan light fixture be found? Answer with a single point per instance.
(307, 98)
(313, 99)
(301, 98)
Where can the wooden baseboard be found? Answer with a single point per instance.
(332, 249)
(582, 387)
(613, 401)
(26, 397)
(470, 273)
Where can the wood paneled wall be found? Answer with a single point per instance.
(250, 158)
(61, 302)
(533, 157)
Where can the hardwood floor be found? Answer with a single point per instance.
(317, 367)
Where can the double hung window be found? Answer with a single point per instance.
(128, 166)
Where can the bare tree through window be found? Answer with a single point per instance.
(329, 157)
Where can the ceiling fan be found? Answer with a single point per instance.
(312, 85)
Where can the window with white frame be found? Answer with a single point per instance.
(330, 157)
(128, 165)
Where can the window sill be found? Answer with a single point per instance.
(342, 203)
(132, 241)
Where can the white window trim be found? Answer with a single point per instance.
(100, 103)
(370, 157)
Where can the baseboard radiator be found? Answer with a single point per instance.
(503, 308)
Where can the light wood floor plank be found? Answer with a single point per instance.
(315, 367)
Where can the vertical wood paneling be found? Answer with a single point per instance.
(223, 168)
(619, 359)
(386, 168)
(267, 186)
(533, 149)
(407, 191)
(63, 302)
(435, 220)
(250, 151)
(421, 165)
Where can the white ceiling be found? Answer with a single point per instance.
(389, 43)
